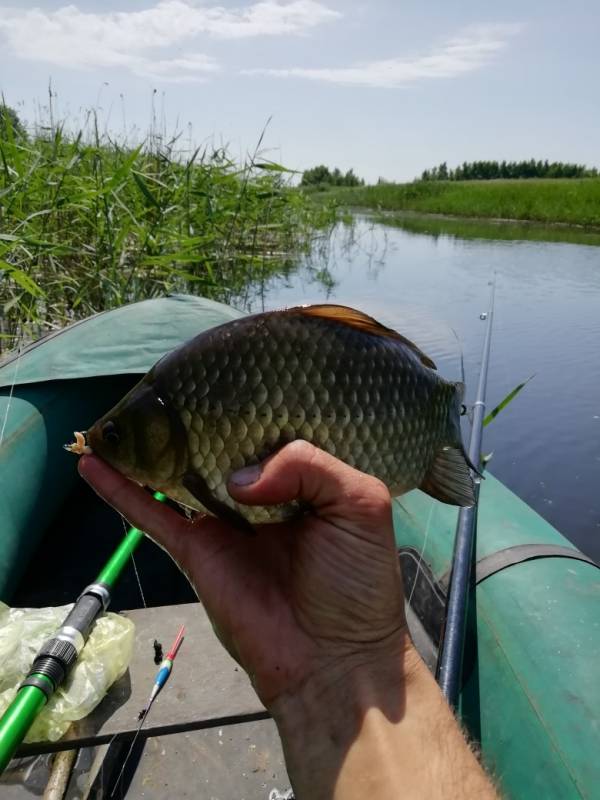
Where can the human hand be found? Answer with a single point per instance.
(321, 593)
(314, 612)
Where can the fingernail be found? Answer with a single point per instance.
(246, 476)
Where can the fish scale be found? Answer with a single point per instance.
(326, 374)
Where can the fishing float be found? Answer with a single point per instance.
(162, 676)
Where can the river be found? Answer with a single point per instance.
(432, 288)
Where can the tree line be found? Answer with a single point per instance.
(490, 170)
(10, 124)
(323, 176)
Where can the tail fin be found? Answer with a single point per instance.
(449, 477)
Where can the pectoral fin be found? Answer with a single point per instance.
(449, 478)
(197, 486)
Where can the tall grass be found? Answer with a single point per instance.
(87, 223)
(571, 201)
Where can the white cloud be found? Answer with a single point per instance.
(69, 37)
(189, 68)
(470, 50)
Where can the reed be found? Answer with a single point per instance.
(88, 223)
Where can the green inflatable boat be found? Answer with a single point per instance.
(531, 687)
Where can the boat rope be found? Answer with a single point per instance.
(517, 554)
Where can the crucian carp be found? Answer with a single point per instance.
(328, 374)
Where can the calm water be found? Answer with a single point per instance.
(547, 442)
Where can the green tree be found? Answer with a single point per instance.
(315, 176)
(491, 170)
(350, 179)
(336, 177)
(322, 176)
(10, 124)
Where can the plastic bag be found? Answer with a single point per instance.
(102, 661)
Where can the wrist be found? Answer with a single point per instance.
(349, 695)
(359, 675)
(375, 725)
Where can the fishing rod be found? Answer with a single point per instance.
(56, 658)
(450, 660)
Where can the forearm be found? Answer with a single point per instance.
(377, 730)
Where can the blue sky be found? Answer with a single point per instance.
(386, 87)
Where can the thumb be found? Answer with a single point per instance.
(335, 491)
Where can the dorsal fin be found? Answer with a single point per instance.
(360, 321)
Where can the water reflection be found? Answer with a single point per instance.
(497, 230)
(547, 444)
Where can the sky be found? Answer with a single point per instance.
(386, 87)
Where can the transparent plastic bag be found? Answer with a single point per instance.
(103, 660)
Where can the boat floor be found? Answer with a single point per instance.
(233, 762)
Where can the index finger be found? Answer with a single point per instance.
(159, 521)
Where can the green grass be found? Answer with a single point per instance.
(87, 223)
(569, 201)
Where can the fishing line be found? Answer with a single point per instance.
(422, 553)
(137, 575)
(10, 395)
(135, 569)
(432, 506)
(461, 353)
(100, 776)
(126, 759)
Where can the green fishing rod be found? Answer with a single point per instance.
(55, 659)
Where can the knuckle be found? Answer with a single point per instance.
(301, 450)
(378, 496)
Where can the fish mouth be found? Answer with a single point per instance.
(80, 446)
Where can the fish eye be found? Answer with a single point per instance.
(110, 433)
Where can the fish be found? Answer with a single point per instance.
(328, 374)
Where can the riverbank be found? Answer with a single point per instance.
(567, 201)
